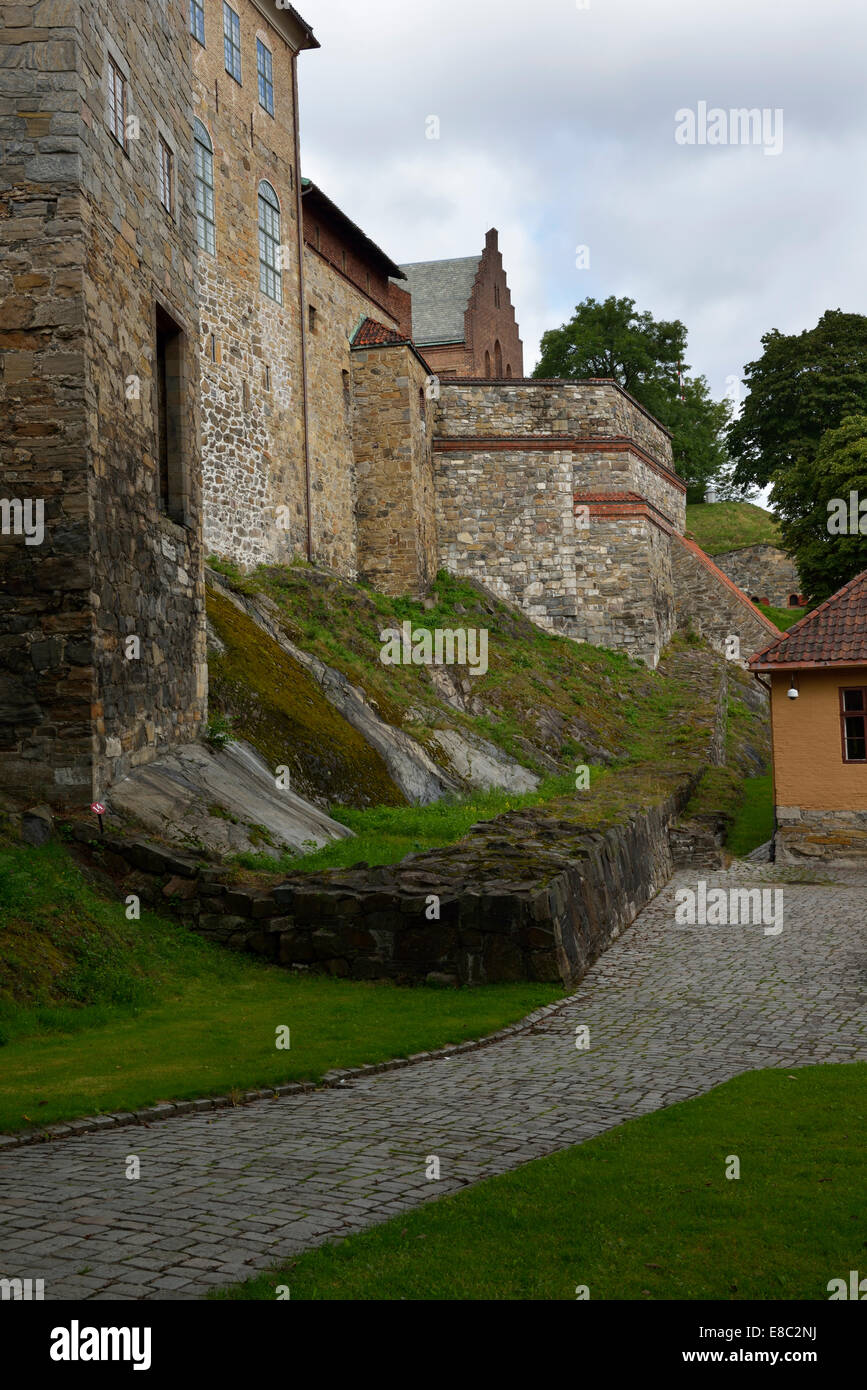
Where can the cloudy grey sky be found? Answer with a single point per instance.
(557, 125)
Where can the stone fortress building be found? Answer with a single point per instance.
(202, 354)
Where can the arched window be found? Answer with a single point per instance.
(206, 229)
(487, 364)
(794, 601)
(270, 265)
(498, 359)
(508, 369)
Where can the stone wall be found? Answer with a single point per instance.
(339, 306)
(393, 426)
(146, 555)
(46, 623)
(763, 572)
(805, 835)
(512, 464)
(709, 602)
(528, 896)
(252, 397)
(88, 254)
(624, 587)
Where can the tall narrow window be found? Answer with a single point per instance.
(487, 363)
(197, 20)
(265, 69)
(498, 359)
(206, 229)
(232, 42)
(853, 713)
(167, 176)
(496, 296)
(117, 103)
(270, 276)
(169, 372)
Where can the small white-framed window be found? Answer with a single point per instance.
(206, 226)
(232, 42)
(270, 257)
(197, 20)
(265, 70)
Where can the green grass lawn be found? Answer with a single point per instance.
(387, 834)
(753, 824)
(722, 526)
(783, 618)
(642, 1212)
(98, 1013)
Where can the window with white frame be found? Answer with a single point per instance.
(232, 42)
(265, 67)
(197, 20)
(206, 227)
(270, 258)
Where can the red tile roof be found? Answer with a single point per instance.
(834, 634)
(689, 544)
(373, 334)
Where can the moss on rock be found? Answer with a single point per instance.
(278, 708)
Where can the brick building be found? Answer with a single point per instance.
(462, 315)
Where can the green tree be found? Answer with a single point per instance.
(812, 499)
(611, 339)
(802, 385)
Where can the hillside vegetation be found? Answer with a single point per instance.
(722, 526)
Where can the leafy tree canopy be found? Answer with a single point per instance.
(611, 339)
(802, 385)
(820, 522)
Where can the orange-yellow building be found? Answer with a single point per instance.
(817, 677)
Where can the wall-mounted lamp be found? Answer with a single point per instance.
(792, 692)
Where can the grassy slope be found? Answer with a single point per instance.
(546, 700)
(98, 1013)
(642, 1212)
(783, 618)
(722, 526)
(549, 702)
(753, 824)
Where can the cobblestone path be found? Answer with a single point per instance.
(672, 1011)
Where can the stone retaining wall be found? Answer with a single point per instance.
(531, 895)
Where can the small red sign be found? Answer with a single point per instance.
(98, 808)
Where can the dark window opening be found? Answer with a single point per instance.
(487, 363)
(169, 421)
(311, 317)
(794, 601)
(167, 177)
(853, 715)
(498, 359)
(117, 103)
